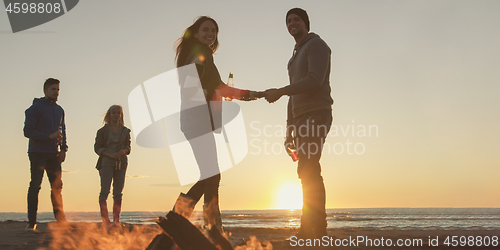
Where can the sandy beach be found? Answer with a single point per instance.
(91, 236)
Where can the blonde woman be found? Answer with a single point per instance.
(112, 144)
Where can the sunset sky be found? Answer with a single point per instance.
(415, 84)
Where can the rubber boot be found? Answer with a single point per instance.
(212, 215)
(103, 205)
(184, 205)
(117, 208)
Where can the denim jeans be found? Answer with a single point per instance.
(310, 133)
(48, 162)
(109, 174)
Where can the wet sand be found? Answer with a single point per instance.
(93, 236)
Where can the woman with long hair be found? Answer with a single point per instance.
(112, 144)
(197, 45)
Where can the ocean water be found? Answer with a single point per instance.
(366, 218)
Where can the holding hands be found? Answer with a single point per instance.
(257, 94)
(271, 95)
(253, 95)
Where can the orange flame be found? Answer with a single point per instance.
(93, 236)
(254, 244)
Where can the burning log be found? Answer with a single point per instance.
(183, 233)
(219, 239)
(187, 236)
(161, 241)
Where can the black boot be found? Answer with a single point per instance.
(306, 230)
(320, 228)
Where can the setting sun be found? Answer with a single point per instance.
(289, 196)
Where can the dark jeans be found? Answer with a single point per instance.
(109, 174)
(310, 133)
(41, 162)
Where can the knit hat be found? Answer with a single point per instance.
(301, 13)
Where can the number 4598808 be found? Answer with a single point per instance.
(470, 241)
(33, 8)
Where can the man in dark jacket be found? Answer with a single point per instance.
(45, 127)
(309, 117)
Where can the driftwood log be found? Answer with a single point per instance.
(186, 236)
(219, 240)
(161, 242)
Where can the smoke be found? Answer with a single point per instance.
(94, 236)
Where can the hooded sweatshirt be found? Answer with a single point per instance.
(309, 73)
(42, 119)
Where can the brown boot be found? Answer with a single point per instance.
(103, 205)
(117, 209)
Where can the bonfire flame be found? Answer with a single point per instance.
(254, 244)
(93, 236)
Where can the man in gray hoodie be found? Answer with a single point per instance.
(309, 117)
